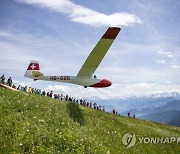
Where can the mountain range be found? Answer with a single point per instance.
(161, 107)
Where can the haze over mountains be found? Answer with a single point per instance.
(162, 107)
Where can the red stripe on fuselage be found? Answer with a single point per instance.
(103, 83)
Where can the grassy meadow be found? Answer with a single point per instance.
(31, 123)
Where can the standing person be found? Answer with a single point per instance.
(66, 98)
(61, 97)
(134, 116)
(84, 102)
(81, 101)
(2, 79)
(9, 81)
(100, 107)
(44, 93)
(26, 89)
(103, 108)
(51, 94)
(95, 105)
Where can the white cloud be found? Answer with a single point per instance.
(14, 57)
(81, 14)
(176, 66)
(166, 53)
(161, 61)
(6, 34)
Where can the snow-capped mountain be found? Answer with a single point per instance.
(163, 95)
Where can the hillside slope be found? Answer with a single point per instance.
(32, 123)
(167, 117)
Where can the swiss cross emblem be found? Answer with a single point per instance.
(33, 66)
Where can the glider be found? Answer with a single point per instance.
(85, 76)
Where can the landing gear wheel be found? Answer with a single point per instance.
(85, 86)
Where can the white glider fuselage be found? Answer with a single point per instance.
(86, 81)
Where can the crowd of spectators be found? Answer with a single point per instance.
(61, 97)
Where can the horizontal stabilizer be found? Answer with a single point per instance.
(36, 73)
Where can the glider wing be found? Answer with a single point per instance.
(99, 51)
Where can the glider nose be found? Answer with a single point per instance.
(107, 83)
(103, 83)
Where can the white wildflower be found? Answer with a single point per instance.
(41, 120)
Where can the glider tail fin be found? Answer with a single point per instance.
(33, 70)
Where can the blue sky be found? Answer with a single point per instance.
(144, 59)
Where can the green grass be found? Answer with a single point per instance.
(31, 123)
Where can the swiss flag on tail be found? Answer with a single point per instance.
(33, 66)
(33, 70)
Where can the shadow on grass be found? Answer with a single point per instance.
(75, 113)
